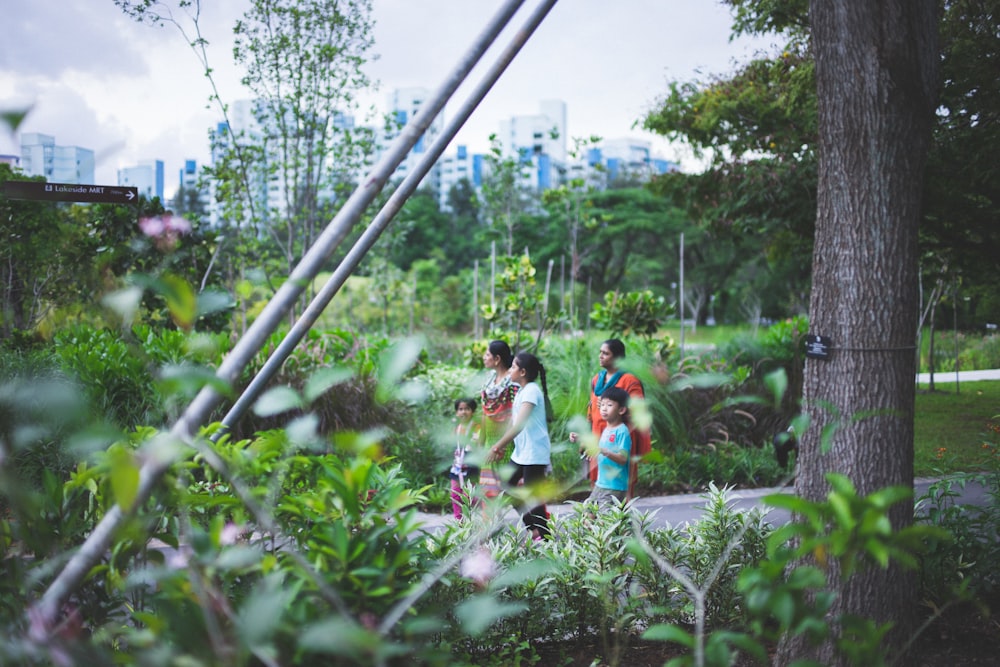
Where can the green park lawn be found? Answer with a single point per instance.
(952, 430)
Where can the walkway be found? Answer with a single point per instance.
(679, 509)
(963, 376)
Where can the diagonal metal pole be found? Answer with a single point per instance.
(44, 615)
(382, 219)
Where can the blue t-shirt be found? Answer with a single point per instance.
(532, 445)
(610, 474)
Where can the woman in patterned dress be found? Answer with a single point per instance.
(497, 398)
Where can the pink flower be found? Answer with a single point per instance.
(229, 534)
(479, 566)
(165, 230)
(152, 227)
(178, 560)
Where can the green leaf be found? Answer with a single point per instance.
(481, 611)
(322, 380)
(124, 302)
(669, 633)
(124, 477)
(337, 636)
(842, 511)
(276, 400)
(188, 380)
(304, 430)
(777, 383)
(783, 607)
(13, 118)
(213, 301)
(260, 616)
(394, 363)
(238, 558)
(181, 300)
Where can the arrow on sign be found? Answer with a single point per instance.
(36, 190)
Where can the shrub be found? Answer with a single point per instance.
(962, 566)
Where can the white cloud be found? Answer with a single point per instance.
(134, 92)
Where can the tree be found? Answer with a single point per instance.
(422, 230)
(303, 62)
(876, 89)
(505, 197)
(34, 240)
(570, 203)
(963, 182)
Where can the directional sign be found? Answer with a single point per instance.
(108, 194)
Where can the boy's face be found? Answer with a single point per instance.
(610, 410)
(463, 412)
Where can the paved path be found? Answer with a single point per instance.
(679, 509)
(963, 376)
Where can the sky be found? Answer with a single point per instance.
(95, 78)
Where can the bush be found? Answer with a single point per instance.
(962, 566)
(600, 581)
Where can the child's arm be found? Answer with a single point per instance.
(620, 453)
(617, 455)
(516, 426)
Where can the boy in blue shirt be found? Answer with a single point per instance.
(614, 448)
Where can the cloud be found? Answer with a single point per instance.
(134, 92)
(54, 38)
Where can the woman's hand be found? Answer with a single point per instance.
(496, 453)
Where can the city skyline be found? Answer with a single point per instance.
(133, 92)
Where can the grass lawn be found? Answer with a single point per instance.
(950, 429)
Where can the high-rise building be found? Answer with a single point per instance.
(617, 160)
(191, 198)
(147, 177)
(404, 105)
(40, 156)
(539, 140)
(277, 161)
(451, 169)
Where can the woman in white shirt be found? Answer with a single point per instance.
(529, 431)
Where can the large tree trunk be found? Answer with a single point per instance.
(876, 82)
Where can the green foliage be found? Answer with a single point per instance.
(505, 199)
(842, 534)
(693, 468)
(601, 580)
(631, 313)
(959, 566)
(784, 595)
(520, 305)
(289, 547)
(975, 352)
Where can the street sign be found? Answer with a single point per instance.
(107, 194)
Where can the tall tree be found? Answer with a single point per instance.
(34, 241)
(303, 61)
(505, 196)
(962, 199)
(876, 88)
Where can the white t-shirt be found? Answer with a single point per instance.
(532, 445)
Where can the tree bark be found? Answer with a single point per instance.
(876, 85)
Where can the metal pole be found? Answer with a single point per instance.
(96, 545)
(382, 219)
(475, 299)
(680, 295)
